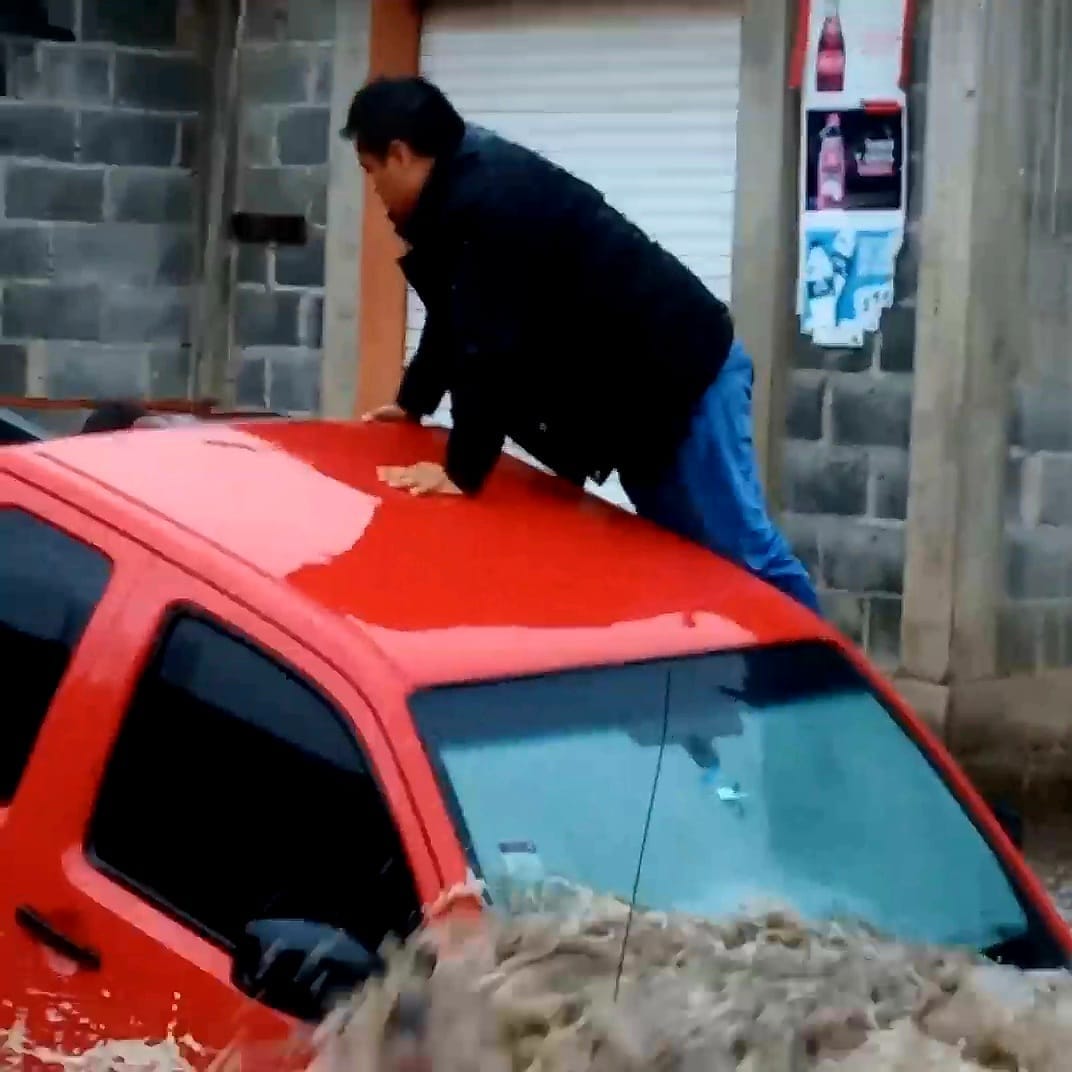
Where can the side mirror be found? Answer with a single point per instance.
(1011, 822)
(300, 968)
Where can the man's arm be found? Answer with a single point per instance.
(475, 440)
(474, 443)
(426, 378)
(488, 316)
(477, 433)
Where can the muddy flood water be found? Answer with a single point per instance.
(550, 991)
(764, 993)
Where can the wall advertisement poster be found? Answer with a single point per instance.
(853, 160)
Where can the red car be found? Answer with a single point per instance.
(262, 712)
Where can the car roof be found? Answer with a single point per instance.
(531, 574)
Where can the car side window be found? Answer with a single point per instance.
(50, 585)
(236, 792)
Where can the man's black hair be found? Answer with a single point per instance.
(411, 110)
(114, 416)
(29, 18)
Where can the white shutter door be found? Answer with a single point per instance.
(638, 98)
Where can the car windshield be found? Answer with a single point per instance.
(772, 775)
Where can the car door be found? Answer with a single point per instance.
(234, 776)
(64, 580)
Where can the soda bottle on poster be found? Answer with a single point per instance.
(831, 165)
(830, 55)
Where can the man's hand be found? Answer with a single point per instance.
(390, 412)
(424, 478)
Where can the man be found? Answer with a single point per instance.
(117, 416)
(114, 417)
(554, 321)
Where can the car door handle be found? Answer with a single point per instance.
(38, 927)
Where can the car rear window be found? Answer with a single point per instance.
(50, 584)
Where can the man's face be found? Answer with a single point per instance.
(398, 178)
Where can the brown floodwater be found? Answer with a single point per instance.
(762, 993)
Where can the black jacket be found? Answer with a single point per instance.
(551, 320)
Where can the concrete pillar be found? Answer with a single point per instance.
(346, 206)
(212, 373)
(766, 219)
(968, 329)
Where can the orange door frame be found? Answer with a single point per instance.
(394, 49)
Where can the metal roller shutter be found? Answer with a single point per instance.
(638, 98)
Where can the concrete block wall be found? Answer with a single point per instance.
(285, 86)
(96, 233)
(1035, 627)
(845, 472)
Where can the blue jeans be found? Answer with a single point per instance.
(712, 494)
